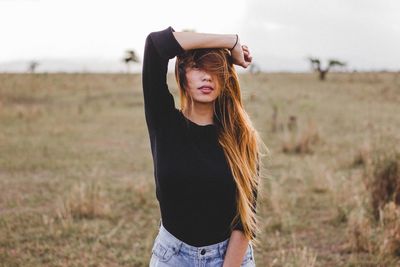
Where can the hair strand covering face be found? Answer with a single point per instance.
(240, 141)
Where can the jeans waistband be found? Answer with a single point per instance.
(214, 250)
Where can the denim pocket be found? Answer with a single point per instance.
(163, 251)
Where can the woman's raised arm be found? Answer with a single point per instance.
(160, 47)
(192, 40)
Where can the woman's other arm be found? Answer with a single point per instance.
(238, 242)
(236, 250)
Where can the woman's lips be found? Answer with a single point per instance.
(206, 89)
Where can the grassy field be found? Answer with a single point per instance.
(76, 174)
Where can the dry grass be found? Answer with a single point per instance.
(363, 156)
(381, 239)
(85, 201)
(374, 226)
(385, 183)
(298, 257)
(77, 178)
(295, 256)
(359, 231)
(300, 141)
(390, 224)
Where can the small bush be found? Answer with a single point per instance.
(85, 200)
(300, 142)
(374, 227)
(359, 232)
(384, 183)
(390, 237)
(363, 156)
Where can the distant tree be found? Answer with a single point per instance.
(130, 57)
(316, 66)
(32, 66)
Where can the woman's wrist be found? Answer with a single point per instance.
(237, 39)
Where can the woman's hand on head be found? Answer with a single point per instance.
(241, 55)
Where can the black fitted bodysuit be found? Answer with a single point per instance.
(194, 184)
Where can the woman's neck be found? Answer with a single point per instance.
(201, 114)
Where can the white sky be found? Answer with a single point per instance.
(280, 33)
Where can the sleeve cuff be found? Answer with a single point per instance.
(166, 44)
(238, 225)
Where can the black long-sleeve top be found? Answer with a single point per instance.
(194, 184)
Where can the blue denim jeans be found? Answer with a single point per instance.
(169, 251)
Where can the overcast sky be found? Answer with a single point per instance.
(280, 33)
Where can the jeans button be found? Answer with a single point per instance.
(203, 251)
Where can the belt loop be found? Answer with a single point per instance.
(178, 247)
(252, 251)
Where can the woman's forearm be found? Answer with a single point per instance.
(236, 250)
(194, 40)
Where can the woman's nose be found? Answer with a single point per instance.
(206, 76)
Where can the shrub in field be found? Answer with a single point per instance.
(276, 125)
(359, 232)
(379, 238)
(300, 141)
(383, 181)
(390, 233)
(85, 200)
(363, 156)
(375, 226)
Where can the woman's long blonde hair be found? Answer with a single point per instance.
(239, 139)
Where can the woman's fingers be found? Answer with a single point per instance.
(241, 55)
(246, 54)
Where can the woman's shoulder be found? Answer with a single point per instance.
(165, 43)
(172, 120)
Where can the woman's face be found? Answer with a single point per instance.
(201, 86)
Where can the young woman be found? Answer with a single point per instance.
(206, 154)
